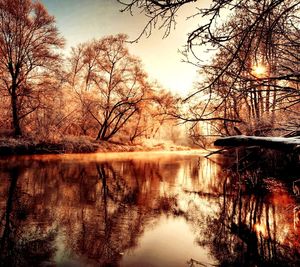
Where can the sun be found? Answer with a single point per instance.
(259, 70)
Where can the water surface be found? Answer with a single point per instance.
(144, 209)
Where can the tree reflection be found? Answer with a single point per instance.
(254, 224)
(88, 212)
(18, 246)
(93, 212)
(106, 232)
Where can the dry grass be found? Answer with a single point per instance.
(21, 146)
(72, 144)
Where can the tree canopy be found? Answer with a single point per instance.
(29, 41)
(254, 74)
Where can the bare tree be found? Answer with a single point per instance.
(28, 44)
(245, 35)
(110, 83)
(153, 115)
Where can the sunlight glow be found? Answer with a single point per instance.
(259, 70)
(260, 229)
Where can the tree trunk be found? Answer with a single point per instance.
(279, 143)
(260, 100)
(268, 98)
(256, 103)
(102, 132)
(274, 107)
(15, 115)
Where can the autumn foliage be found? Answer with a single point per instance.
(29, 41)
(100, 90)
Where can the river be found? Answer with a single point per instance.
(145, 209)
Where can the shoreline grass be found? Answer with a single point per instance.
(67, 145)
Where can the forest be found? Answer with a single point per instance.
(212, 177)
(100, 91)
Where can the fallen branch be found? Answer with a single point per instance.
(279, 143)
(215, 152)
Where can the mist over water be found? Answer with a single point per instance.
(144, 209)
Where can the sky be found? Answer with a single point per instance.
(80, 21)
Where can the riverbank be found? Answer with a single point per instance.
(67, 145)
